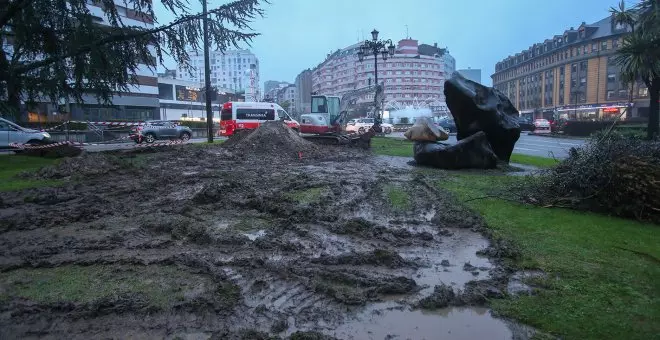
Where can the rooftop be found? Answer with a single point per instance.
(585, 32)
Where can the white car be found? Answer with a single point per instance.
(362, 125)
(541, 126)
(11, 133)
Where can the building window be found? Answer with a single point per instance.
(573, 68)
(603, 46)
(615, 43)
(623, 93)
(594, 47)
(611, 77)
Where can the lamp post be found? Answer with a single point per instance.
(575, 93)
(207, 75)
(376, 47)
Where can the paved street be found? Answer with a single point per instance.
(532, 145)
(528, 145)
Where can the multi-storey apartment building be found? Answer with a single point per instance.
(303, 99)
(573, 75)
(269, 85)
(288, 94)
(416, 73)
(473, 74)
(237, 70)
(140, 102)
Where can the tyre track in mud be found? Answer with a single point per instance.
(284, 244)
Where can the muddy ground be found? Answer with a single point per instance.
(201, 242)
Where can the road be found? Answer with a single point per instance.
(527, 145)
(532, 145)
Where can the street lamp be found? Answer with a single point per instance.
(376, 47)
(575, 92)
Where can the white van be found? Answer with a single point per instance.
(249, 115)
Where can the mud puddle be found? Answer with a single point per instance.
(392, 321)
(453, 262)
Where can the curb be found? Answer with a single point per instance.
(549, 135)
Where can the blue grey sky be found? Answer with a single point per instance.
(297, 34)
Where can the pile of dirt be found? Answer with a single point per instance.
(86, 165)
(60, 151)
(273, 139)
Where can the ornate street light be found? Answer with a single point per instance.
(376, 47)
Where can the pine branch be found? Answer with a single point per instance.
(11, 10)
(227, 12)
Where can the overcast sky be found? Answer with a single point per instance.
(297, 34)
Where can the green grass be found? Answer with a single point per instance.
(12, 165)
(247, 224)
(162, 285)
(207, 144)
(307, 196)
(402, 147)
(603, 273)
(537, 161)
(392, 146)
(398, 197)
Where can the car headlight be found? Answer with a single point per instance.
(46, 134)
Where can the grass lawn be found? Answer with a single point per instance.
(537, 161)
(398, 197)
(603, 273)
(12, 165)
(402, 147)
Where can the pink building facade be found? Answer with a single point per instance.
(414, 75)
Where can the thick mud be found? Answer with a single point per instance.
(206, 243)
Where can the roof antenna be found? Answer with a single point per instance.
(407, 36)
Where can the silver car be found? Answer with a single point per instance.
(11, 133)
(160, 129)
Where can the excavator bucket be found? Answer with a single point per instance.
(351, 140)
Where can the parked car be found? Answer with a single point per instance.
(11, 133)
(526, 124)
(541, 126)
(160, 129)
(448, 124)
(361, 125)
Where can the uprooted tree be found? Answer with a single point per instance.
(639, 55)
(64, 49)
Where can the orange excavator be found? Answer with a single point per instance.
(326, 122)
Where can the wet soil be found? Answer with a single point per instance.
(207, 242)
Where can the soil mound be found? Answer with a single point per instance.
(88, 164)
(60, 151)
(272, 139)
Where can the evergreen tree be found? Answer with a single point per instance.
(57, 49)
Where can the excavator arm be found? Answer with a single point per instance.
(349, 102)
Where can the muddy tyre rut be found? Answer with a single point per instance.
(206, 243)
